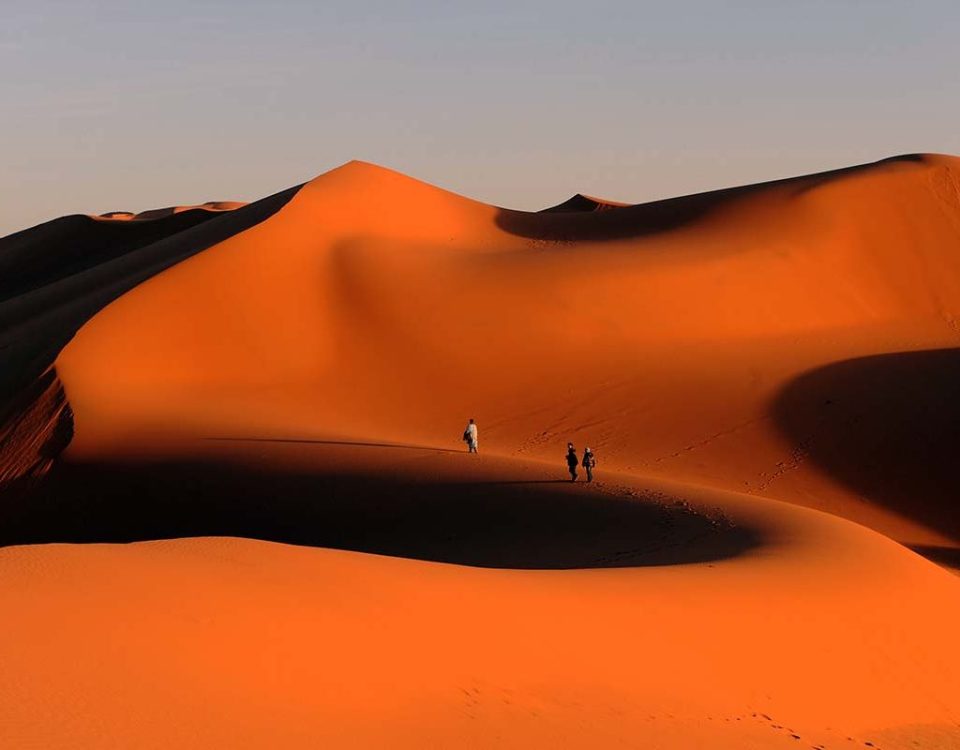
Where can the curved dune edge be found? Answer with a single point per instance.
(54, 278)
(822, 633)
(387, 499)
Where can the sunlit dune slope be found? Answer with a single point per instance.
(677, 338)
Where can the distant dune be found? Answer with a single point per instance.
(265, 401)
(161, 213)
(580, 202)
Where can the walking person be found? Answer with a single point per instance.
(470, 436)
(572, 461)
(588, 463)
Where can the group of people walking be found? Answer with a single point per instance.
(588, 462)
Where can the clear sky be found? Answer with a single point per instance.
(110, 105)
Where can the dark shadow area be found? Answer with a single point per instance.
(579, 223)
(62, 247)
(948, 557)
(486, 524)
(887, 426)
(39, 431)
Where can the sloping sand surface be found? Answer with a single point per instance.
(303, 382)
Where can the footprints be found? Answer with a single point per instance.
(708, 440)
(538, 440)
(850, 742)
(678, 524)
(471, 700)
(780, 728)
(485, 702)
(715, 516)
(549, 244)
(797, 456)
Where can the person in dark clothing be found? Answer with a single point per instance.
(572, 461)
(588, 463)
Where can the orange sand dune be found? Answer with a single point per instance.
(304, 381)
(826, 634)
(53, 278)
(671, 337)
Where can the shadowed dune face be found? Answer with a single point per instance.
(887, 426)
(160, 213)
(583, 203)
(55, 277)
(531, 523)
(588, 219)
(39, 430)
(69, 245)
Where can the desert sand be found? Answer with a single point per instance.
(251, 422)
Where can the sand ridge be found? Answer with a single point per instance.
(160, 213)
(581, 202)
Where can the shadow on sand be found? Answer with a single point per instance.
(948, 557)
(644, 219)
(887, 426)
(532, 525)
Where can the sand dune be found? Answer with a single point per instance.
(666, 347)
(797, 638)
(162, 213)
(580, 202)
(54, 278)
(297, 372)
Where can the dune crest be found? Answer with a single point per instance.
(581, 202)
(160, 213)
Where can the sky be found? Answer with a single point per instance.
(109, 105)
